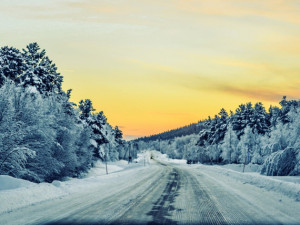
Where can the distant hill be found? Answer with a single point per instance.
(193, 128)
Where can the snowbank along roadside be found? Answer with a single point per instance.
(286, 185)
(16, 193)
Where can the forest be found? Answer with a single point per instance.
(248, 135)
(193, 128)
(43, 135)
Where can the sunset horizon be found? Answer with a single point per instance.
(155, 66)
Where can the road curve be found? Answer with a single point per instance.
(163, 194)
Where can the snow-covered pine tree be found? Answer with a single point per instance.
(241, 118)
(220, 127)
(86, 109)
(11, 64)
(286, 107)
(40, 72)
(273, 115)
(259, 119)
(118, 135)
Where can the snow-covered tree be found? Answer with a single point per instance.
(118, 135)
(42, 135)
(247, 145)
(11, 64)
(259, 119)
(230, 152)
(40, 72)
(86, 109)
(213, 152)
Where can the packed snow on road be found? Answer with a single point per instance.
(154, 189)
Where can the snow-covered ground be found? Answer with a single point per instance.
(16, 193)
(234, 196)
(288, 186)
(163, 157)
(284, 185)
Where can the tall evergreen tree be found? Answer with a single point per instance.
(118, 135)
(86, 109)
(259, 119)
(11, 64)
(40, 72)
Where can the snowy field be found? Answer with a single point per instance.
(278, 196)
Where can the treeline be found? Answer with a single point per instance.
(44, 136)
(193, 128)
(248, 135)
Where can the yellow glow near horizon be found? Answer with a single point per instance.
(155, 65)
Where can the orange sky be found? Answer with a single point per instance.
(157, 65)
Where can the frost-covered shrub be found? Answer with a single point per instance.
(281, 163)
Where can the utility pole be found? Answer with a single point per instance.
(106, 159)
(246, 156)
(159, 145)
(129, 156)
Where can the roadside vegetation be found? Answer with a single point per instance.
(250, 134)
(43, 135)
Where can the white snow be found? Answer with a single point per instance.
(16, 193)
(100, 168)
(285, 185)
(294, 179)
(8, 182)
(288, 187)
(239, 167)
(93, 143)
(32, 89)
(163, 157)
(28, 194)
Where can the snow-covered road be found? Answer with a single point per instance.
(163, 193)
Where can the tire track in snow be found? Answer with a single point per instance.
(178, 198)
(163, 207)
(113, 207)
(194, 204)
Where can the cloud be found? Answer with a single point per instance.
(106, 7)
(152, 12)
(259, 92)
(64, 10)
(284, 11)
(255, 93)
(33, 8)
(259, 80)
